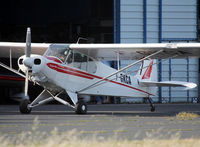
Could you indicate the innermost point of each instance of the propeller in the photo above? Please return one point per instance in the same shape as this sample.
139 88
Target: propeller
27 53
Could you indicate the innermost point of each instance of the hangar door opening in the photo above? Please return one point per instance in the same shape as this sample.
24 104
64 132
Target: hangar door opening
51 22
57 21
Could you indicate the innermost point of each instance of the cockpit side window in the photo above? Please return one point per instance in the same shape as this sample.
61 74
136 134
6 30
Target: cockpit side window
91 66
81 61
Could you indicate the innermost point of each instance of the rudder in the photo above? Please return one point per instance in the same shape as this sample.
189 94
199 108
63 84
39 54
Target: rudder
148 71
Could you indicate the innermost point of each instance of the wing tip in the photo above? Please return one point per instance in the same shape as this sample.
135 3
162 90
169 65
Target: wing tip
190 85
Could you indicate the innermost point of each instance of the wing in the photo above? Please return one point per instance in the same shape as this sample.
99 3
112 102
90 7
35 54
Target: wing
17 49
137 51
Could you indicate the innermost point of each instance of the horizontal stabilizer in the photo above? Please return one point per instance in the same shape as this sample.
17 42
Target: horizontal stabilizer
187 85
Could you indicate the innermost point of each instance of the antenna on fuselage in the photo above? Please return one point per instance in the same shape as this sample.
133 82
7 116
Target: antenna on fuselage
81 38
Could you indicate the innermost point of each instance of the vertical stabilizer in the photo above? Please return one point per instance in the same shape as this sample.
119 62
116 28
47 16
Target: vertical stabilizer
148 71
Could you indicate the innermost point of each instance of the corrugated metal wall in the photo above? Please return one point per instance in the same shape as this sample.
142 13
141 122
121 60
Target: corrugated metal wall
131 21
179 70
153 21
179 19
152 18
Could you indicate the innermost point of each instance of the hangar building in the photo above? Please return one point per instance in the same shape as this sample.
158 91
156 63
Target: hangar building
156 21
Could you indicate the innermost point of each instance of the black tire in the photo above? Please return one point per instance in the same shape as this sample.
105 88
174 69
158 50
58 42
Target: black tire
23 107
153 109
81 107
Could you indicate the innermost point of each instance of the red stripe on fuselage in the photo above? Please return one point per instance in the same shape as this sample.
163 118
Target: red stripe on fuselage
66 70
54 59
131 87
71 71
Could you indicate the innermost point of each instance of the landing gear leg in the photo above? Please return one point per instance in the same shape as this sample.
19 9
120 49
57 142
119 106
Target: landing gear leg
151 104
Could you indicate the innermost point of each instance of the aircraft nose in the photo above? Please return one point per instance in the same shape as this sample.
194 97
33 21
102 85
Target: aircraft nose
33 64
28 62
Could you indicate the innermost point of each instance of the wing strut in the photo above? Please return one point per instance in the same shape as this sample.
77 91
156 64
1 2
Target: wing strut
106 78
11 69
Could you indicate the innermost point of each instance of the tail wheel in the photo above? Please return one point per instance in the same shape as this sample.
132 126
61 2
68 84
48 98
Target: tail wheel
23 107
81 107
152 109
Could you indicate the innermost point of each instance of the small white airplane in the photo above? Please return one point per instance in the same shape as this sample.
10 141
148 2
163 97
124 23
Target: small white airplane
76 69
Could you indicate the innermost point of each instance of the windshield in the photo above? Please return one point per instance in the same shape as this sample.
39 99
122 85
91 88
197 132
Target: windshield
59 51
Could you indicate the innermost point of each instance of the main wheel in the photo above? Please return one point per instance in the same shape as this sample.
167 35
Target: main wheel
23 107
153 109
81 107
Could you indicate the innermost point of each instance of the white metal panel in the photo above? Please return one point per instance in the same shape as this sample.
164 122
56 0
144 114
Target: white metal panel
132 35
179 2
179 19
188 28
173 8
152 21
131 19
179 22
152 40
179 35
128 28
178 15
132 40
152 7
151 14
152 28
152 34
132 14
131 2
193 74
131 8
193 94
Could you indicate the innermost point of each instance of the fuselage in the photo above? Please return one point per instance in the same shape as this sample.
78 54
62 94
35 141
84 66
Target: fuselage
63 69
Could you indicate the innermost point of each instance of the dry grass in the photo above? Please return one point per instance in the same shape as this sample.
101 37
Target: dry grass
186 116
73 138
70 139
